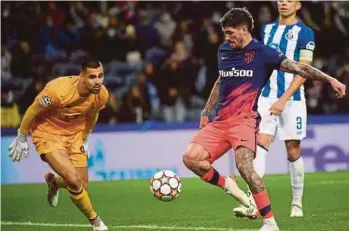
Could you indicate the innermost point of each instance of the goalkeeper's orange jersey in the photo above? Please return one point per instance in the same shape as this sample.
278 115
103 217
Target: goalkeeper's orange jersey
68 110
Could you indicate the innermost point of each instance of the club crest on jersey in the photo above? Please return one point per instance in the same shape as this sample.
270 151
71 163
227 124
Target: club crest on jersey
289 35
249 56
45 101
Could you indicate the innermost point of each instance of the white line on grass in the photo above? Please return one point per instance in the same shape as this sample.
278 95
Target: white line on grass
135 227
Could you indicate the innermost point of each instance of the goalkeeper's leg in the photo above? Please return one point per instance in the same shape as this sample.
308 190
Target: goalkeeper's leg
62 165
55 182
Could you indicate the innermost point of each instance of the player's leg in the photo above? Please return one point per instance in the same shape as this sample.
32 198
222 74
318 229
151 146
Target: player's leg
62 165
267 130
263 144
197 159
259 163
47 143
55 182
207 146
97 223
83 172
79 158
292 129
244 163
296 168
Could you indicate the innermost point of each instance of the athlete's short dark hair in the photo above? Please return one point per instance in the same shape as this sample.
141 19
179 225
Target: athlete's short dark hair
236 17
90 62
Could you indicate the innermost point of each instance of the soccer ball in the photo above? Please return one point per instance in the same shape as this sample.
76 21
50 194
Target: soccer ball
165 185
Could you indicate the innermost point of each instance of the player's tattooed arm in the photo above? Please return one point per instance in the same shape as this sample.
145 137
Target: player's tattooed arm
309 72
244 163
278 106
212 100
304 70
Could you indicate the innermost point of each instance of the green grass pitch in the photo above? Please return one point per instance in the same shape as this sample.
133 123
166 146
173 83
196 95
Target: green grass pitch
129 205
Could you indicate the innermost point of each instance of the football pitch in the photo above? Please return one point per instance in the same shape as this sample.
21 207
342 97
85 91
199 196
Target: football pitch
129 205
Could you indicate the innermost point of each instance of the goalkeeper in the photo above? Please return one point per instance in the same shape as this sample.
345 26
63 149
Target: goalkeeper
60 120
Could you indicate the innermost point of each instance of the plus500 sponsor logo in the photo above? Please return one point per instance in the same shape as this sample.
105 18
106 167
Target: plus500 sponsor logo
236 73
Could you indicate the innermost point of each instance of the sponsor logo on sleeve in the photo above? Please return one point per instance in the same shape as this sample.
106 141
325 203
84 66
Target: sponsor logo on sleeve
310 46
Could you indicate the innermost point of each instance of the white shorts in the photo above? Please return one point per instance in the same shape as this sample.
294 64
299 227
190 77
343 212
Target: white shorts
290 125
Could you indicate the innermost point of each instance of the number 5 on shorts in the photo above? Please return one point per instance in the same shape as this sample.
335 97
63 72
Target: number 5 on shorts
299 122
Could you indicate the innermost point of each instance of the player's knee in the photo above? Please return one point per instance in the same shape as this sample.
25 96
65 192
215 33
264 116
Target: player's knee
74 181
293 154
190 159
194 155
293 149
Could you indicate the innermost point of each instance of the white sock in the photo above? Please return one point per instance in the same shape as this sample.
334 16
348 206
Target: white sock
297 180
259 161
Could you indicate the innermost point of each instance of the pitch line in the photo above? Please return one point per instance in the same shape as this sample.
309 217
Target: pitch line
134 227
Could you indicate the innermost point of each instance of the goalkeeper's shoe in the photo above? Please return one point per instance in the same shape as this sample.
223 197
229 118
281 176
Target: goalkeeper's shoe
52 193
250 212
233 189
98 224
296 211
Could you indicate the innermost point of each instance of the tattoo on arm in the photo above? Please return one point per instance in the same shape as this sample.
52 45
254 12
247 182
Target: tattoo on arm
304 70
212 100
244 163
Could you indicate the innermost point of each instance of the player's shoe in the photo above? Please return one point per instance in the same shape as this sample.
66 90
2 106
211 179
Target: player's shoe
269 226
98 224
250 212
233 189
296 211
53 192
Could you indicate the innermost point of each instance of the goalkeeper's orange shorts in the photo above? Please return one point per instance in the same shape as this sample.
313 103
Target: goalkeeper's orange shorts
46 144
218 137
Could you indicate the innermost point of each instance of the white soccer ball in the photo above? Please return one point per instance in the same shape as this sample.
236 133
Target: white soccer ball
165 185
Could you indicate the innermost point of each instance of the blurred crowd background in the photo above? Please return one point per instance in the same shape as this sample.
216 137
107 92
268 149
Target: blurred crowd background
159 57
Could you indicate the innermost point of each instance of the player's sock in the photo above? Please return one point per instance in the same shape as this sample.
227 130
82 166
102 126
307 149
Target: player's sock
60 182
213 177
81 199
296 169
263 205
259 161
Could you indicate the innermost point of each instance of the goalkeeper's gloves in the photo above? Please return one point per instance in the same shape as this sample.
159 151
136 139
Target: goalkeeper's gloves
19 148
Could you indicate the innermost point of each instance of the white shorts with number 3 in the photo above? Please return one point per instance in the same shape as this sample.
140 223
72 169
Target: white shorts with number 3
290 125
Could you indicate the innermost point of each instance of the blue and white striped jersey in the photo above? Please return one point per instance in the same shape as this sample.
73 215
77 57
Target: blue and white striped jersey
296 42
